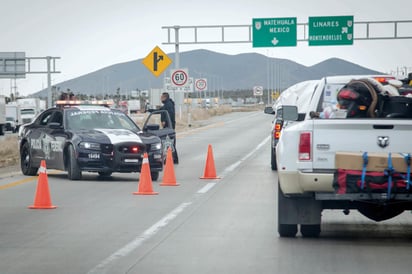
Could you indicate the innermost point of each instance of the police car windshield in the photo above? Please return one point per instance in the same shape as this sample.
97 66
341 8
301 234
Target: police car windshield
95 119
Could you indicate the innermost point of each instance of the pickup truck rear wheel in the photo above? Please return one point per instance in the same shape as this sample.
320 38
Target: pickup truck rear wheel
287 230
310 231
284 230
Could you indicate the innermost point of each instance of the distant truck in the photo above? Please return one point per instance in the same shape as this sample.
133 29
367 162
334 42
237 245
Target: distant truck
134 106
13 117
29 108
2 114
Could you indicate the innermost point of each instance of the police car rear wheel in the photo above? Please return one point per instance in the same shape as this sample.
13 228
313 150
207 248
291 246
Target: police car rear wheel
25 161
73 170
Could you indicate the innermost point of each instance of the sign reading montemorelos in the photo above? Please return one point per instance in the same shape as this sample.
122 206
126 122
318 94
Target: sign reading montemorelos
274 32
331 30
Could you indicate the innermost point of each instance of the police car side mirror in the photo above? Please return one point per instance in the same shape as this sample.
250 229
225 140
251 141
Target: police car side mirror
54 125
152 127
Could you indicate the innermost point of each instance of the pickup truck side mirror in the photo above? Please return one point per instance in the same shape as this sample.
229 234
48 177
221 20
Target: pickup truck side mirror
290 113
269 110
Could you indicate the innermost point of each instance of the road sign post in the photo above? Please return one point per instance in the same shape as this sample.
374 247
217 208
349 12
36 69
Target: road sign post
330 31
274 32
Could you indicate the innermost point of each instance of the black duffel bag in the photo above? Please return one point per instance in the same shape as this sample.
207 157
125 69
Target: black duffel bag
395 106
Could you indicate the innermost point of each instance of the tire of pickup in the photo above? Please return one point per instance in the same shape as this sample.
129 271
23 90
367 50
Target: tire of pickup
284 230
310 231
378 212
273 164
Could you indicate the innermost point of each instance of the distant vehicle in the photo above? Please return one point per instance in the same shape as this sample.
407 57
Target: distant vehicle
296 95
30 108
11 124
133 106
95 138
14 116
2 114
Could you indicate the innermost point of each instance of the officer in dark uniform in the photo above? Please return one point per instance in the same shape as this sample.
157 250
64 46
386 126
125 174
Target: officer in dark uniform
169 106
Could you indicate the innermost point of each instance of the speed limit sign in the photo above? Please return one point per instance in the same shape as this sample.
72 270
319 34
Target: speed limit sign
201 84
179 77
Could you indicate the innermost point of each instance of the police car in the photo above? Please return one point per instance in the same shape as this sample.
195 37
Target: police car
77 136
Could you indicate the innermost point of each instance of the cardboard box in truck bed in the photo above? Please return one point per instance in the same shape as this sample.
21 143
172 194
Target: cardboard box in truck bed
376 161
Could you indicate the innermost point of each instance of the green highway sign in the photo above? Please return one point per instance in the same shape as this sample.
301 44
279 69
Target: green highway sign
274 32
330 31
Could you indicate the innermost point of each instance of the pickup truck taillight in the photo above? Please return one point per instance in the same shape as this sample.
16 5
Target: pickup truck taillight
305 144
278 128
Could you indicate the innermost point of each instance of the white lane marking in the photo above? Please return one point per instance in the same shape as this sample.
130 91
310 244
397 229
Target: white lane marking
235 165
103 266
206 188
133 245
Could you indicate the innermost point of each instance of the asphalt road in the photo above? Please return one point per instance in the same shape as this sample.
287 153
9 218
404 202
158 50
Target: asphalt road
225 225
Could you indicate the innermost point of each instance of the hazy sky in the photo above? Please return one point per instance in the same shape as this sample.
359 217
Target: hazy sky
91 34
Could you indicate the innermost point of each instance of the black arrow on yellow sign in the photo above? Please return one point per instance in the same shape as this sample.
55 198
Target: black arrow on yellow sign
157 61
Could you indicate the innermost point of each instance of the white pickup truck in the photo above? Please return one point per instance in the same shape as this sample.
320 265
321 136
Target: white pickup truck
343 162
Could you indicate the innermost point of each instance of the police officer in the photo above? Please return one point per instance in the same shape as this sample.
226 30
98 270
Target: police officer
169 106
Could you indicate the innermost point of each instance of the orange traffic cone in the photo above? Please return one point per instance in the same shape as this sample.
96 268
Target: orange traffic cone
210 170
145 182
42 198
169 178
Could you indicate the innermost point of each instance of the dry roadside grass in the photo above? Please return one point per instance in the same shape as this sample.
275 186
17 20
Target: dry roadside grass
9 151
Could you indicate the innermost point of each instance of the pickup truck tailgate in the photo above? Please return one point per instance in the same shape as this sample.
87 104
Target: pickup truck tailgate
358 135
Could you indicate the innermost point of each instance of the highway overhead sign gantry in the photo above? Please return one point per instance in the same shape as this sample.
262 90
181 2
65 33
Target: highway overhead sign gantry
330 30
157 61
274 32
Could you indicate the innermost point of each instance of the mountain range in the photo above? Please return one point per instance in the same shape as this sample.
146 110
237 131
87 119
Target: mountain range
223 71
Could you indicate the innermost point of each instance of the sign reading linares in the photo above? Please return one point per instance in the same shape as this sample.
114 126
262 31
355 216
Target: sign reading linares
274 32
332 30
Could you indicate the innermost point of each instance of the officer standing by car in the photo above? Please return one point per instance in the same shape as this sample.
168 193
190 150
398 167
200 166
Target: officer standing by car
169 106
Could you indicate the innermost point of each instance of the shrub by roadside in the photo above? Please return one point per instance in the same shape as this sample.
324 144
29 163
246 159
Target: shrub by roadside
9 151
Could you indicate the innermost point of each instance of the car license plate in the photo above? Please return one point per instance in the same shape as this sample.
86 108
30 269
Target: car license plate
131 160
94 155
